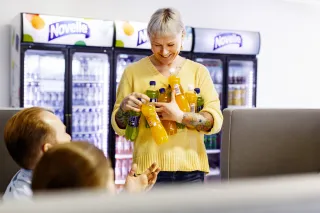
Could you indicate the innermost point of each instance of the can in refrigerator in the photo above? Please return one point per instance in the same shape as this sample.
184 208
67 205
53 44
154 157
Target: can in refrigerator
236 99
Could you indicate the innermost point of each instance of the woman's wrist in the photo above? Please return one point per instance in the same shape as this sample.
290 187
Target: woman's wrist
179 117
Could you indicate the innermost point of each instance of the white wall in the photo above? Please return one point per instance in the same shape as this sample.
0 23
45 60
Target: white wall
288 69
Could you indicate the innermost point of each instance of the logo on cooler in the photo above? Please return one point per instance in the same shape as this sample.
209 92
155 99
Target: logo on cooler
142 37
225 39
63 28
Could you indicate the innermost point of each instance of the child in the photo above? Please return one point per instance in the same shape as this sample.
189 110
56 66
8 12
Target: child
81 165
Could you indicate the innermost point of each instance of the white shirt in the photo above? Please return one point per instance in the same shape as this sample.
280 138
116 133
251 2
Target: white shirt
20 186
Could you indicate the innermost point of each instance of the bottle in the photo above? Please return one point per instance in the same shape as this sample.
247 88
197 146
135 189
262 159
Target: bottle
181 100
132 129
153 94
158 132
191 97
200 101
170 126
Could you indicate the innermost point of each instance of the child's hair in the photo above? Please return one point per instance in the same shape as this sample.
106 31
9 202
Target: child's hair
72 165
24 135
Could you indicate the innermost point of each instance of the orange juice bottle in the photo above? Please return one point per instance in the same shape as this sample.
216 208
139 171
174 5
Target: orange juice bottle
191 97
181 100
170 126
158 132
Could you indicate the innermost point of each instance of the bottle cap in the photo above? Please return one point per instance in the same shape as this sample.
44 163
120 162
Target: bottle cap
190 87
197 90
172 70
162 90
152 83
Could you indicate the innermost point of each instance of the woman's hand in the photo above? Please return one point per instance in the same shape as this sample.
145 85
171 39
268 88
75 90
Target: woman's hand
170 111
131 102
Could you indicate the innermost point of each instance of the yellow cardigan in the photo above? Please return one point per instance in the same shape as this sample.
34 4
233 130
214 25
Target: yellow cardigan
185 150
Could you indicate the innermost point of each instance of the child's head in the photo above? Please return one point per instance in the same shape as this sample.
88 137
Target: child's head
75 165
30 133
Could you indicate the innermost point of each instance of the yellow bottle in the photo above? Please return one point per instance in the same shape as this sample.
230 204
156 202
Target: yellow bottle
192 98
170 126
158 132
181 100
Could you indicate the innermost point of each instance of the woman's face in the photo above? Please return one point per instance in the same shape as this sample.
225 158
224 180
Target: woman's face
166 48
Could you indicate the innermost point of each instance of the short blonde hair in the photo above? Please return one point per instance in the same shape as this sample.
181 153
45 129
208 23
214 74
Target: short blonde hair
165 21
75 165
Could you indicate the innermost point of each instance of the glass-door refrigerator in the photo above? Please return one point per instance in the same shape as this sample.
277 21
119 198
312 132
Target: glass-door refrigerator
231 58
64 64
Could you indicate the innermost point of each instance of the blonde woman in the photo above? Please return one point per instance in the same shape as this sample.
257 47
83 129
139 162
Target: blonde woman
183 159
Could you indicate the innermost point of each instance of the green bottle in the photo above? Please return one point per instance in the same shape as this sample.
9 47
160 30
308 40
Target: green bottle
132 128
200 100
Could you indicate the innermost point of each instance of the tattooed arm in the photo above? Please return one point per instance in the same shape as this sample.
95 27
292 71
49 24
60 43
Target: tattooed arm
122 118
202 121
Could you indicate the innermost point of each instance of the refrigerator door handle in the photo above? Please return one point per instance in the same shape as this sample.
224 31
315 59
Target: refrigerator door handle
68 123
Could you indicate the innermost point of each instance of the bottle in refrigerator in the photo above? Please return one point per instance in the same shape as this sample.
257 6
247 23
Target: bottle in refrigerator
158 132
200 100
236 97
118 169
243 96
191 97
170 126
181 100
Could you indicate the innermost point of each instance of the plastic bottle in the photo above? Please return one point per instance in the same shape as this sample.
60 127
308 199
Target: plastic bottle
181 100
158 132
152 93
191 97
200 101
170 126
132 129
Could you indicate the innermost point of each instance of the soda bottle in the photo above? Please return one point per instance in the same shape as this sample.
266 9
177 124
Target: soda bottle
170 126
153 94
191 97
132 128
158 132
181 100
200 101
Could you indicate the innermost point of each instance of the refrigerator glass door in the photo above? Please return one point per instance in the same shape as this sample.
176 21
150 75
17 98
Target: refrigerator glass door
124 148
123 60
44 82
241 84
90 98
215 67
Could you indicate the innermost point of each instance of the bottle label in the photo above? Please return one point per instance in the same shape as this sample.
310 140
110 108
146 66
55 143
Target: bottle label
134 121
151 123
153 100
192 107
199 108
177 89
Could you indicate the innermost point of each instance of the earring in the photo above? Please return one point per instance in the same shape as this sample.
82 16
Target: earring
181 48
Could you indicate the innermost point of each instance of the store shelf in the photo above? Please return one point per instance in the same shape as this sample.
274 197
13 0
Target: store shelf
213 151
123 156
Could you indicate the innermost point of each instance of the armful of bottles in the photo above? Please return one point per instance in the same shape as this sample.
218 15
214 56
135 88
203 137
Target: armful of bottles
191 101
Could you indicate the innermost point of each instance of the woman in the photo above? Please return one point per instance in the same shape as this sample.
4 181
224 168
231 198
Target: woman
81 165
183 158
